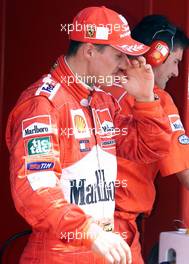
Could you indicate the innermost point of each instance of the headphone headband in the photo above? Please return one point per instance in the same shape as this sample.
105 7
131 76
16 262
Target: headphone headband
167 28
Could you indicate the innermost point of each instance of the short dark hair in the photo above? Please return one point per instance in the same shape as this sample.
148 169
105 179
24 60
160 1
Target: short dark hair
158 27
75 45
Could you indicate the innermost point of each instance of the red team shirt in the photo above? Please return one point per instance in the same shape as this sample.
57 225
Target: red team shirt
137 196
63 161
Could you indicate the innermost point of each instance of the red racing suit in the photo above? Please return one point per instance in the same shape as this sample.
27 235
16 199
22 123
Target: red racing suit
61 136
139 194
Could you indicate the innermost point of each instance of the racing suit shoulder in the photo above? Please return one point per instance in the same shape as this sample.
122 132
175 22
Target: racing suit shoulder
45 87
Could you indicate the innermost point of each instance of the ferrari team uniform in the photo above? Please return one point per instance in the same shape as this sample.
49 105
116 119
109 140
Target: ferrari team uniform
62 138
138 194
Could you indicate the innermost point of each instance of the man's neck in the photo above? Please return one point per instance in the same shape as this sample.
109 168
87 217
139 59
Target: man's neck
78 69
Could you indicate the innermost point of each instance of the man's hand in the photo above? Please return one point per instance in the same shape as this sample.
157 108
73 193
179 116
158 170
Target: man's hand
140 80
110 246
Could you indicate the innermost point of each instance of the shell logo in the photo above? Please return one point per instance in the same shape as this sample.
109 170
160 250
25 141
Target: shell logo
80 123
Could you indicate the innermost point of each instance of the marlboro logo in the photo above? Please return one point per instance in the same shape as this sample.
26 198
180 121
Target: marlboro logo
37 125
101 191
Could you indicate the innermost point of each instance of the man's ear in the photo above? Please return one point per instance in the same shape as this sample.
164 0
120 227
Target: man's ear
89 50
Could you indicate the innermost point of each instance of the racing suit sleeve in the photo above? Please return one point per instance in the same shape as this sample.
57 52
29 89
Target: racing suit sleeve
35 170
178 158
145 135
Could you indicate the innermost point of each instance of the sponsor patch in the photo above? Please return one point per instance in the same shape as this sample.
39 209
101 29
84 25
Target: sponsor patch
102 33
42 179
84 145
104 123
80 127
40 165
108 143
175 122
90 31
101 190
183 139
39 145
37 125
49 87
163 49
107 126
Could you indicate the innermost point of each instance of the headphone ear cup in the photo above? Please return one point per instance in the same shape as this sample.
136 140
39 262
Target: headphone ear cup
158 53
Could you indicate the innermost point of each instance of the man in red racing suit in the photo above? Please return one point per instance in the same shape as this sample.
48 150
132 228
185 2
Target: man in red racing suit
62 138
137 194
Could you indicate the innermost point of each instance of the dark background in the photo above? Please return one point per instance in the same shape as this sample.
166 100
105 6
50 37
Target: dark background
30 41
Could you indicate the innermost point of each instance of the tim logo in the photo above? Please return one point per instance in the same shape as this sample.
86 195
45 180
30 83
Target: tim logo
38 165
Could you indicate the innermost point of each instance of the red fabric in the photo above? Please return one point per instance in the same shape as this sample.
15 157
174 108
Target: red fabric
57 252
127 228
139 194
36 136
